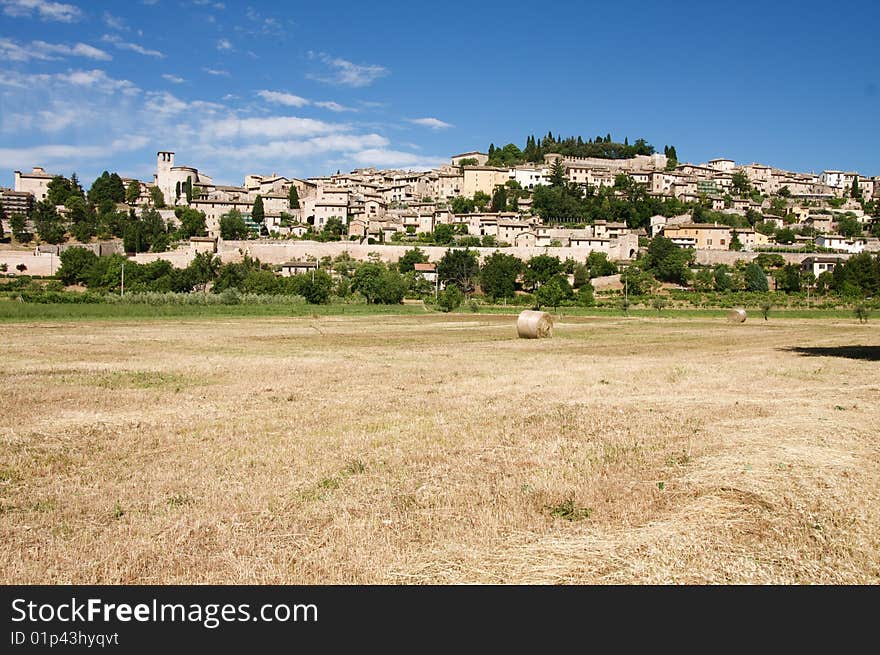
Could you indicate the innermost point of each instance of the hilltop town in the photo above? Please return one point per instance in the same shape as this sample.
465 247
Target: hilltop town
528 202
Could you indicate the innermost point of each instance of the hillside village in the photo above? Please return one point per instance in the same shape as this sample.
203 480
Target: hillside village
563 205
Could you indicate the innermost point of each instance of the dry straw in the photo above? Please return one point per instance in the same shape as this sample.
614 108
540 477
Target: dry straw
737 315
534 325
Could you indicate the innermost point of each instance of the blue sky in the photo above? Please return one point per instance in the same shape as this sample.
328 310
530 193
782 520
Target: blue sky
305 89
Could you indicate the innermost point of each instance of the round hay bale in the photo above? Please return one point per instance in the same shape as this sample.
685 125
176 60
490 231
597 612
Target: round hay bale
534 325
737 315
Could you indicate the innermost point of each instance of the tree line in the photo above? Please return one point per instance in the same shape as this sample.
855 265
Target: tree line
602 147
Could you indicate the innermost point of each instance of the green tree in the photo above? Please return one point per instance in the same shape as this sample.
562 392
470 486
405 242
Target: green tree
636 280
599 265
788 279
50 228
848 226
75 265
157 197
410 258
133 192
481 200
585 296
333 229
553 292
857 276
755 278
770 260
83 223
462 205
557 174
293 197
18 226
499 199
667 262
444 234
459 267
258 214
785 235
540 269
581 276
204 267
379 285
107 187
735 243
740 183
723 281
498 275
232 226
450 298
314 287
58 190
192 222
855 192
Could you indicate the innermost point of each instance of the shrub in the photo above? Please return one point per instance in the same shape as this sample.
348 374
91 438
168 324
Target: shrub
450 298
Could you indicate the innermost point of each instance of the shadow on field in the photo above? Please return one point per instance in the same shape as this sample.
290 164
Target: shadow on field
869 353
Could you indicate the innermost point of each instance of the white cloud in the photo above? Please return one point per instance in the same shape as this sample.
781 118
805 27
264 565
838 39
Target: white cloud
272 127
54 11
287 150
114 22
287 99
174 79
347 73
94 80
133 47
224 44
98 80
164 103
47 154
42 51
433 123
58 118
216 72
397 159
333 106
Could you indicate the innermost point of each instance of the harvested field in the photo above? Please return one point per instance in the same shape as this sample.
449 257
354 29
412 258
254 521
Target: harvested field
439 449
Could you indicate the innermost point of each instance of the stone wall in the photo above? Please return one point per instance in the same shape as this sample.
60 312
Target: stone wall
730 257
274 252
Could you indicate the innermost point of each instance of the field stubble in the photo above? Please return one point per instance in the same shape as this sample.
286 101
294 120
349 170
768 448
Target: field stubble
429 449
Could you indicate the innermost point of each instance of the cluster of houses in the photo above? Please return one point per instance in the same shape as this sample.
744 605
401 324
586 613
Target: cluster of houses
374 204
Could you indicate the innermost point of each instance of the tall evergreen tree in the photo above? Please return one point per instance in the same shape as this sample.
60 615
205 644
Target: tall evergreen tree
855 191
557 173
75 186
293 197
258 214
133 192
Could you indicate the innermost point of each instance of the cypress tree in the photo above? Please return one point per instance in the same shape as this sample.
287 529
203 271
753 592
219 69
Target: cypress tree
258 215
293 198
